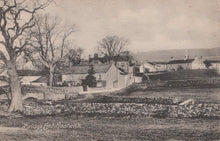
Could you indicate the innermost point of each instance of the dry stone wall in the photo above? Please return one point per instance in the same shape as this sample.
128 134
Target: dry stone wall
126 109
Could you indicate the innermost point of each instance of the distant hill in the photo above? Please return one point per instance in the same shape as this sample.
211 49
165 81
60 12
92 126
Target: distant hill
164 55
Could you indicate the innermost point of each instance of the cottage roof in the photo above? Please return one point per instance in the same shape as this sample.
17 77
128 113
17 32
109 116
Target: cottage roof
42 79
103 68
29 73
45 79
161 63
212 61
122 72
151 63
182 61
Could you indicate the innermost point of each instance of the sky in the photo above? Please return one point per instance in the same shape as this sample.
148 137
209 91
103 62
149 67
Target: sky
147 24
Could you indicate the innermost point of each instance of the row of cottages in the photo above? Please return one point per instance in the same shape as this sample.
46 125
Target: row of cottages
176 65
107 75
187 63
173 65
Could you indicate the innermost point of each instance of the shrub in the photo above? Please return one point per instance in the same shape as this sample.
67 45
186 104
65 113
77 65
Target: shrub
90 79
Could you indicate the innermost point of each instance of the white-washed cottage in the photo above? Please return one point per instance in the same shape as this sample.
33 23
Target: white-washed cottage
198 63
107 75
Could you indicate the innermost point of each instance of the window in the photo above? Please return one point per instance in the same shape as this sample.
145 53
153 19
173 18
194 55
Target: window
122 64
115 84
100 77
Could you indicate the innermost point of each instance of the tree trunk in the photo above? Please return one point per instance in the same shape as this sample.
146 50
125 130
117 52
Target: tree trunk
51 76
15 86
70 64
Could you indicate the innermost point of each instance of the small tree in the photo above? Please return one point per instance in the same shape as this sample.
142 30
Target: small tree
90 79
74 56
207 64
180 68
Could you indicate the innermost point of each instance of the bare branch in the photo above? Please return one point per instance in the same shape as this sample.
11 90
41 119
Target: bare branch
2 57
50 39
112 45
65 36
3 43
4 78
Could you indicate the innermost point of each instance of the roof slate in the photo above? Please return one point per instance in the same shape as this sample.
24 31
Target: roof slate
180 61
212 61
29 73
42 79
103 68
45 79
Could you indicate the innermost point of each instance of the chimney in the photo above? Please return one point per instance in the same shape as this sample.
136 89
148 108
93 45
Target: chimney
201 59
96 56
171 58
196 57
89 58
186 57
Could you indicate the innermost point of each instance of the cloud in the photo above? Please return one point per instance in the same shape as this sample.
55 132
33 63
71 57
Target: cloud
148 24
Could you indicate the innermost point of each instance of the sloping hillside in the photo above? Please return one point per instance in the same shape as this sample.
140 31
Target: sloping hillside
164 55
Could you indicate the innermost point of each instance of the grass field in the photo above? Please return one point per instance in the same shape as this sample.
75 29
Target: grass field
187 74
204 95
104 129
84 128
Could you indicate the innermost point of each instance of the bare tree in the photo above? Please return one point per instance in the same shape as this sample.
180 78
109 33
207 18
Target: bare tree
112 45
74 56
15 18
49 40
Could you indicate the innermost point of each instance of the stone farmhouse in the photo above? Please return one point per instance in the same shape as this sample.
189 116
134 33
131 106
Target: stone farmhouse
196 63
122 61
173 65
107 75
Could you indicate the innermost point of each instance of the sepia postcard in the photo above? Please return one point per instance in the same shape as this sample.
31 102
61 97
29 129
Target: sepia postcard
110 70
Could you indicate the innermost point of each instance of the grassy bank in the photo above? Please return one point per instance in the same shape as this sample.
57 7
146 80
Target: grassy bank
186 74
201 95
106 129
